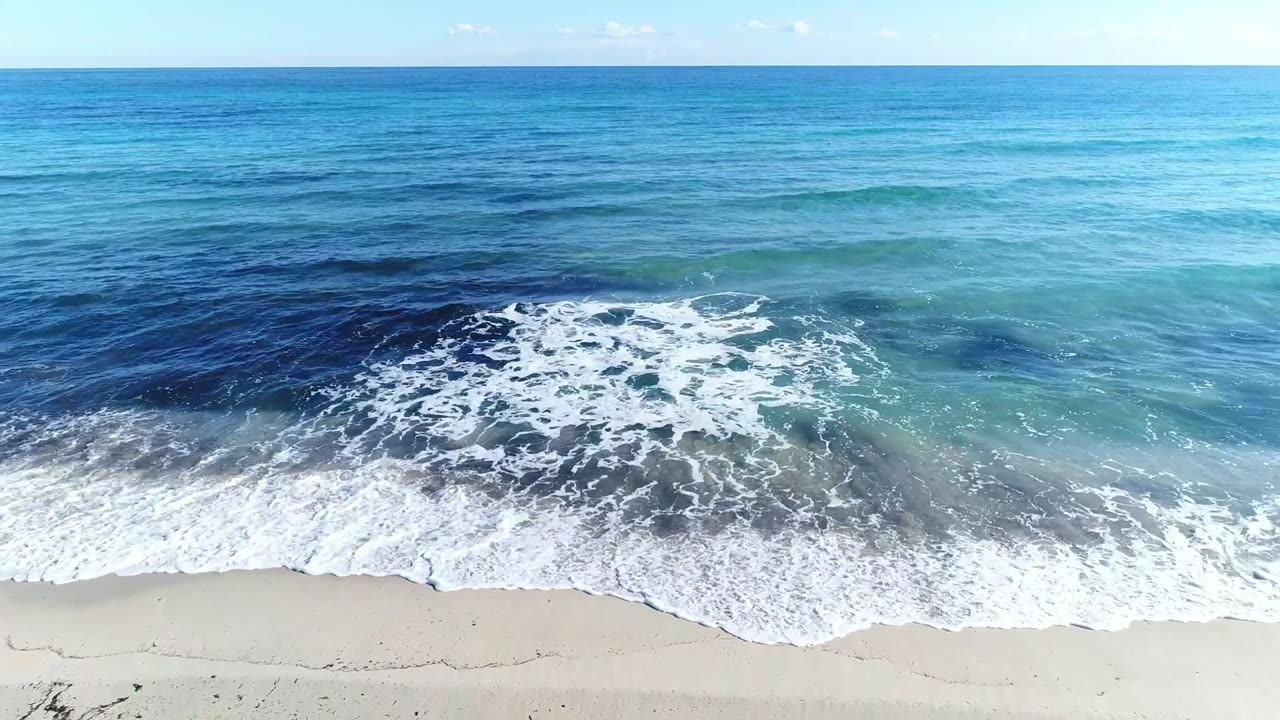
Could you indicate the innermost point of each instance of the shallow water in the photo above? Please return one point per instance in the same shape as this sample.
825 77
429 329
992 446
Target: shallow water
787 351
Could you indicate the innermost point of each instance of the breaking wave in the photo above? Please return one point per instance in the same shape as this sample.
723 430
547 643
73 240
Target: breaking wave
713 457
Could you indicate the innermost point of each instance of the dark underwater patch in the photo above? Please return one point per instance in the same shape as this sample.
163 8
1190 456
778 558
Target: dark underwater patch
995 346
373 266
861 304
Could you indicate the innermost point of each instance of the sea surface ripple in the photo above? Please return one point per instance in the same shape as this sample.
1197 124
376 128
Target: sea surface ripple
788 351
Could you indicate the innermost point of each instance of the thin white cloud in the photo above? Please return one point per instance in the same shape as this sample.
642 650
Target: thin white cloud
615 29
889 35
1125 32
799 27
469 29
568 31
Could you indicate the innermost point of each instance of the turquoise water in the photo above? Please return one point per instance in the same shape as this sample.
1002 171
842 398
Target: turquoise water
788 351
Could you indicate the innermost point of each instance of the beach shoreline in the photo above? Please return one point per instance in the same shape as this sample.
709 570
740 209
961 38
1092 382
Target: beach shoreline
274 643
806 354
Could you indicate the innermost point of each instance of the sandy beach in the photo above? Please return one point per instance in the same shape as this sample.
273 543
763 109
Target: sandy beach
276 644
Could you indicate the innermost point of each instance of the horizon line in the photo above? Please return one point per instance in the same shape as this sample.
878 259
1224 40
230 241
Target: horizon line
618 67
896 65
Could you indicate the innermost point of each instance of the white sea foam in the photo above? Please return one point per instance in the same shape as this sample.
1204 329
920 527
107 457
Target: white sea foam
793 586
397 478
615 368
573 386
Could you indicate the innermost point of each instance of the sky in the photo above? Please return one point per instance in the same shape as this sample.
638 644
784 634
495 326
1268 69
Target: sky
195 33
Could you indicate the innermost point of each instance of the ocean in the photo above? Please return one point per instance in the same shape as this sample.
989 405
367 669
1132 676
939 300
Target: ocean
787 351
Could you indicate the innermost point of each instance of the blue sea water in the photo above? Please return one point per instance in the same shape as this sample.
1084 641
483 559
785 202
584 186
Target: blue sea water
789 351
